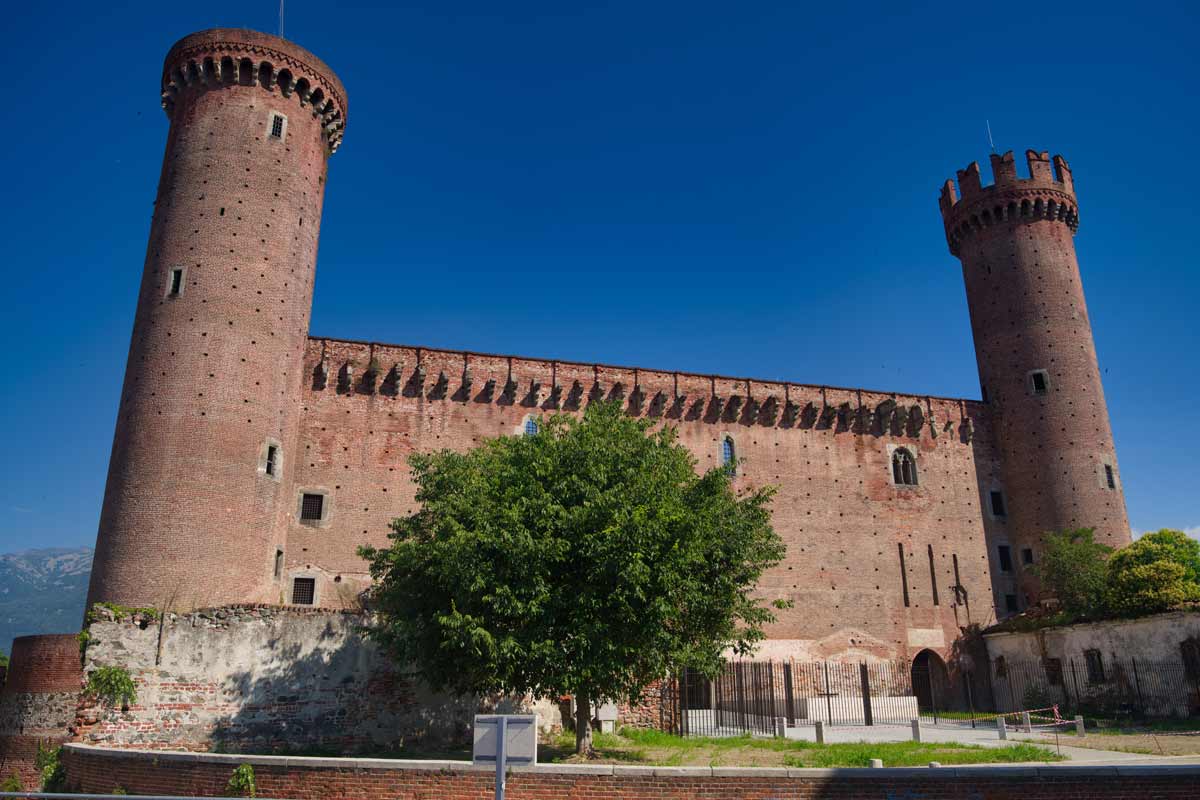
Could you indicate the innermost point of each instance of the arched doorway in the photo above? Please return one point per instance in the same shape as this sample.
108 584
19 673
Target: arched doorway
930 681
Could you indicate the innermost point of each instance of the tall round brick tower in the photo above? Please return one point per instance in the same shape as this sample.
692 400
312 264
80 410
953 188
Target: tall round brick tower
1037 360
199 489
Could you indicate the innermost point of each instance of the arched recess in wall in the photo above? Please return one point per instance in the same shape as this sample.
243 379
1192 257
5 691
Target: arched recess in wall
930 681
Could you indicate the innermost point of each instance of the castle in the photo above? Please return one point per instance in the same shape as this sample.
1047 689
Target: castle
251 459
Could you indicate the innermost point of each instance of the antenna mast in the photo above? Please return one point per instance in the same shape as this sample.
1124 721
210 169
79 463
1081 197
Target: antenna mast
988 123
280 19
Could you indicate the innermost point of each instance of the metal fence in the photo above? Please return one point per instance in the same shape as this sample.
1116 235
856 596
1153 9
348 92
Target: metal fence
1097 685
751 697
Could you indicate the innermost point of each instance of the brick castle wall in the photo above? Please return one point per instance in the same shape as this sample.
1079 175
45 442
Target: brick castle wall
829 452
94 770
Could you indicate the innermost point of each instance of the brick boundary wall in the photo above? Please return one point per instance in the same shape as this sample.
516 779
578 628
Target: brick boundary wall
93 769
38 702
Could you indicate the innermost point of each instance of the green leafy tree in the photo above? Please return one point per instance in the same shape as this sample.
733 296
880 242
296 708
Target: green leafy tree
1074 568
589 559
1159 571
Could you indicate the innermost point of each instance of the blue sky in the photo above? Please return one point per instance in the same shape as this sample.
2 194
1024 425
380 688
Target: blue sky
747 189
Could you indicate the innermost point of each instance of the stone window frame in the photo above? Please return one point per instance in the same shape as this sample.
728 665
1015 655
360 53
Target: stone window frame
304 574
996 488
1030 386
1106 463
182 270
271 115
263 450
277 564
523 428
734 449
1015 605
326 506
1000 561
891 472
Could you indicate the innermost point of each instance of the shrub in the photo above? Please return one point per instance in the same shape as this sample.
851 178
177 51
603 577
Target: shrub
1074 567
241 783
112 685
54 774
12 784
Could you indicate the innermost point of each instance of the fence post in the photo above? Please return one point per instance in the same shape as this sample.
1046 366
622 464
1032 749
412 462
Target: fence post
1137 682
683 713
1002 727
819 730
787 690
1079 726
771 689
780 727
1026 723
865 679
828 695
916 730
1075 680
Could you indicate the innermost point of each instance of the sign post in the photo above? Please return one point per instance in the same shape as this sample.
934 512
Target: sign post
505 739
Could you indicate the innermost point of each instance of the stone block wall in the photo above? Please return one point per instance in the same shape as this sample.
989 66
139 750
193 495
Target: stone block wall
266 679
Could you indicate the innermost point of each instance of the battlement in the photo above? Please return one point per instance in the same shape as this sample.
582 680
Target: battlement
223 57
353 368
1048 193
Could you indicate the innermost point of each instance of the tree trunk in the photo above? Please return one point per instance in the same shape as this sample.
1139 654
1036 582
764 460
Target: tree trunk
583 725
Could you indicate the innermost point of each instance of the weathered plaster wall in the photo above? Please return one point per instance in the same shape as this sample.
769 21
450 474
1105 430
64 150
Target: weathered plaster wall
265 679
1150 639
1141 664
828 450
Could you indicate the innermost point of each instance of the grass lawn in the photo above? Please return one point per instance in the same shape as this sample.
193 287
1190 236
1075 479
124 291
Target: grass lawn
650 747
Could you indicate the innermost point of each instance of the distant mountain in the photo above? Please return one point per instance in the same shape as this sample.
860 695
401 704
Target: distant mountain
42 591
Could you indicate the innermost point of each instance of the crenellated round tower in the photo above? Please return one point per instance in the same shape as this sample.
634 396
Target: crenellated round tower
199 485
1037 361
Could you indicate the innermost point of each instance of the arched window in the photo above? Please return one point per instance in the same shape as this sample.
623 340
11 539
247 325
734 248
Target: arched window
904 468
531 426
728 454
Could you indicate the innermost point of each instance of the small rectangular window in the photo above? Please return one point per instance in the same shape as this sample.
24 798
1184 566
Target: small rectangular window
312 506
1109 477
304 591
272 454
176 282
276 126
278 563
1010 603
1039 382
1005 554
1095 666
1026 556
998 504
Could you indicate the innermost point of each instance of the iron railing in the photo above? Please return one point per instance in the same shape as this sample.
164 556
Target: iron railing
751 697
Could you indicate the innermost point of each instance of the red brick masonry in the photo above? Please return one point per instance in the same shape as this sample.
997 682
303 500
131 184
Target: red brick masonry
143 772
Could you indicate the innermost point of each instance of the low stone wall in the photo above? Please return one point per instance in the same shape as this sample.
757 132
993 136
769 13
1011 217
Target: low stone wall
266 679
97 770
38 701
